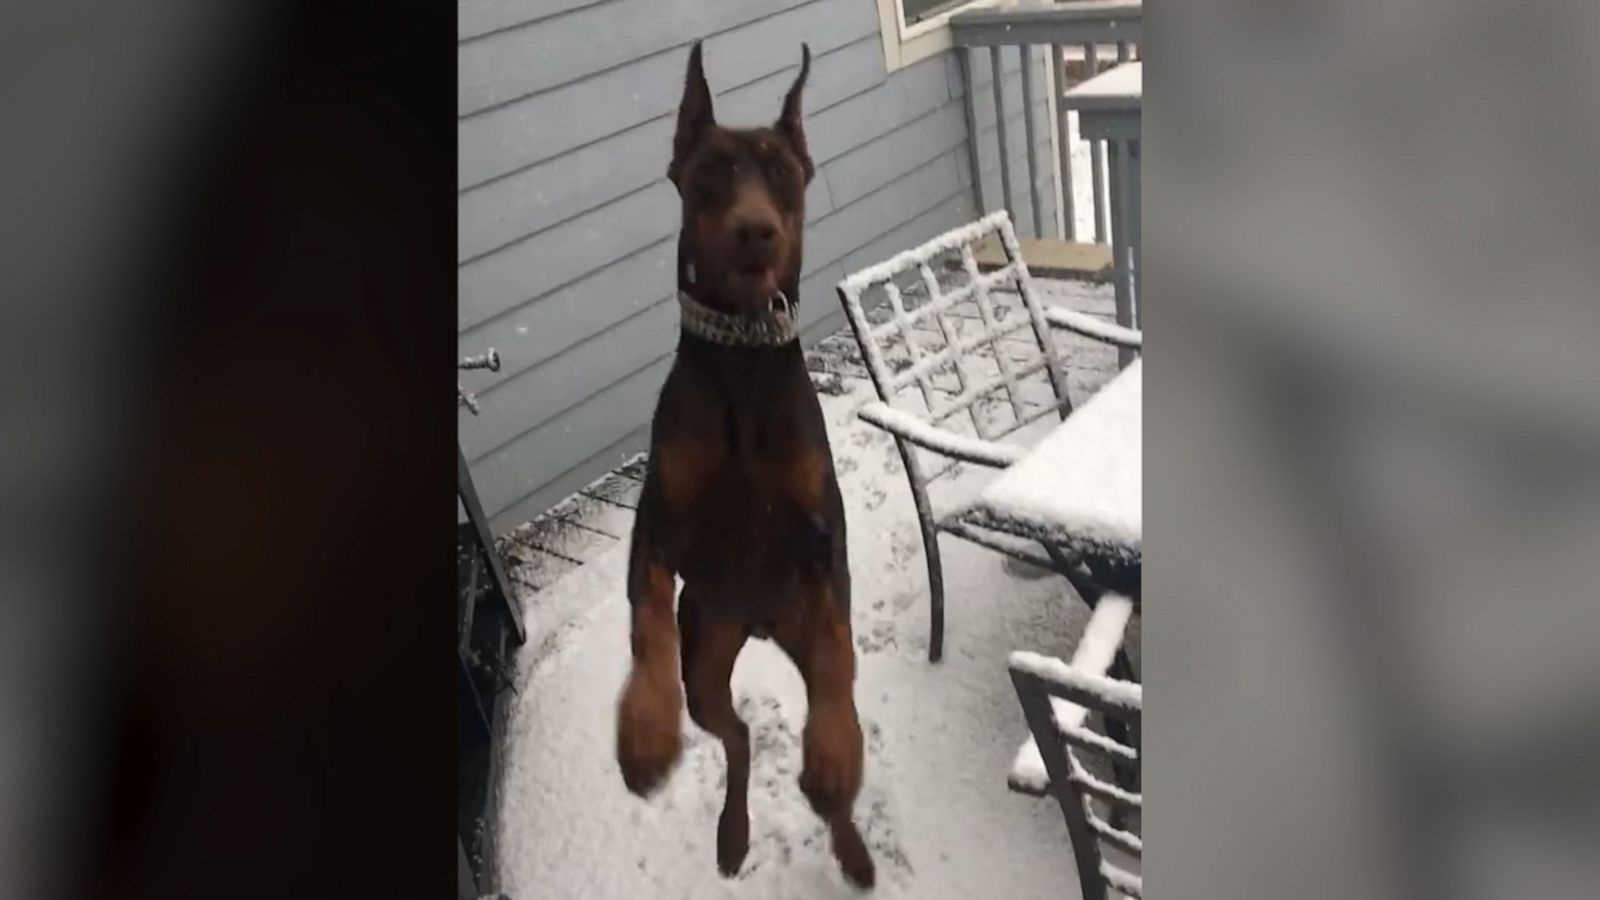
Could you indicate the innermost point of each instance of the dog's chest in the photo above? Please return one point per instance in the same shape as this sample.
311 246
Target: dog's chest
749 533
749 505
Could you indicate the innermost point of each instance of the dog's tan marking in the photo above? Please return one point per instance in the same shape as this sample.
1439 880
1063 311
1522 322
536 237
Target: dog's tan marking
684 466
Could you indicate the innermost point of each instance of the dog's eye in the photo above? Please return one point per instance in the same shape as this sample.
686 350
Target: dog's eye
721 172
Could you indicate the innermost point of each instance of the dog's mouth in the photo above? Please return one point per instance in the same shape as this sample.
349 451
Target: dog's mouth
758 281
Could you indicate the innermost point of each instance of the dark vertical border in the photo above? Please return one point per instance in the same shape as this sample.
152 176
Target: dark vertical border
281 703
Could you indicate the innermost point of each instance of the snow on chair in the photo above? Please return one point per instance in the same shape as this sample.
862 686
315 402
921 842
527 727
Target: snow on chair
924 349
1057 700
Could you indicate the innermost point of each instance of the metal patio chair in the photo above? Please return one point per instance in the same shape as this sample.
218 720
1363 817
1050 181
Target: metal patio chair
1058 699
923 349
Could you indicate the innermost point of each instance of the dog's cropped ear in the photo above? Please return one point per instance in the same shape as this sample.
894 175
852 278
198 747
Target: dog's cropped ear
789 124
694 114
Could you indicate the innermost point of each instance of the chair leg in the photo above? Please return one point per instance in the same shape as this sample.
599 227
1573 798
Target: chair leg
930 549
930 546
1127 774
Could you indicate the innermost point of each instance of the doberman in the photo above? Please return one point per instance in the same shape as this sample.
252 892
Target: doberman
740 499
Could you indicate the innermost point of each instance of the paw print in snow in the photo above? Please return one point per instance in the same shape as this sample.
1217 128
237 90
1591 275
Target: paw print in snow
903 548
873 734
880 637
881 833
875 497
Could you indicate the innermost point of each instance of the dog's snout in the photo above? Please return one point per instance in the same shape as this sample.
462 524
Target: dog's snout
755 231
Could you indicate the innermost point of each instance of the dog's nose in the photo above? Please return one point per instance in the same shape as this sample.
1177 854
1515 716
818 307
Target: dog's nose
757 232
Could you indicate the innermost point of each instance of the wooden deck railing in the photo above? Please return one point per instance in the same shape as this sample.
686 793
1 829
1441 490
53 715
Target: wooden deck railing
1083 37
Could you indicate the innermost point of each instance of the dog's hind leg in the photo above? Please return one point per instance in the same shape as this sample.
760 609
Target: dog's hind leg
819 642
710 647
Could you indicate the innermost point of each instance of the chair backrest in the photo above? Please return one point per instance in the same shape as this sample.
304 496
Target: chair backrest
969 342
1085 766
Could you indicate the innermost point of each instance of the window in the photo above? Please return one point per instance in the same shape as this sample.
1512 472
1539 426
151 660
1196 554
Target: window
914 30
921 10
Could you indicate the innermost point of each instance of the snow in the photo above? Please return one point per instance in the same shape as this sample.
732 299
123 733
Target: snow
976 290
998 280
1110 332
981 388
1127 840
941 440
1082 776
1094 653
960 348
1119 87
934 808
1082 486
1125 694
1103 636
1122 880
970 233
1028 773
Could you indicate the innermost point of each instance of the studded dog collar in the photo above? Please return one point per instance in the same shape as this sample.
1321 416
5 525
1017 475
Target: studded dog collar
772 327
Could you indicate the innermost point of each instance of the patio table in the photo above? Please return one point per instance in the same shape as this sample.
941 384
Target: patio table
1080 489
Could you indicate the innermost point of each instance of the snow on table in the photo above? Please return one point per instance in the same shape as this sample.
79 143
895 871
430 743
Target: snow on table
1081 487
934 808
1118 88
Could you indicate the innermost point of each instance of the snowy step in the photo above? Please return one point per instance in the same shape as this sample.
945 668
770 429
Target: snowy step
1050 258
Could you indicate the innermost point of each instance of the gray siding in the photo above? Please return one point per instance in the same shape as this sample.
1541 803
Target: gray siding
567 225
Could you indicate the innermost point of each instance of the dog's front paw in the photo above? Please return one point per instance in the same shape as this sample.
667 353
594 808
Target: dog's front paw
831 776
648 737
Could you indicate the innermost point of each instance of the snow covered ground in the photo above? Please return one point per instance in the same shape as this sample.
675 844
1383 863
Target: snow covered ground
934 808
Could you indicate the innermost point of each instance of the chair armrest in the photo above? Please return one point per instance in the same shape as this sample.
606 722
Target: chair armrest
1091 327
904 425
1078 687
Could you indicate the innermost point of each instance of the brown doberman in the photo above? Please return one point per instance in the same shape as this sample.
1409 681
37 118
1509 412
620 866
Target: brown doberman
740 498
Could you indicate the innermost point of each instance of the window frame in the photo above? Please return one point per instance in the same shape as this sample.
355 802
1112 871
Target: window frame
905 44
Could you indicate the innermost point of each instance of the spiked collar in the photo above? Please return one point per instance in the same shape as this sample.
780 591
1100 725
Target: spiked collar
771 327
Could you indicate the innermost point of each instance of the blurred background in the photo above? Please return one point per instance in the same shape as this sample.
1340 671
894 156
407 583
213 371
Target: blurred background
226 231
1372 469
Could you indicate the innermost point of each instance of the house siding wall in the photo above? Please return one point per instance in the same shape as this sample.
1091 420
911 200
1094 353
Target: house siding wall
567 224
